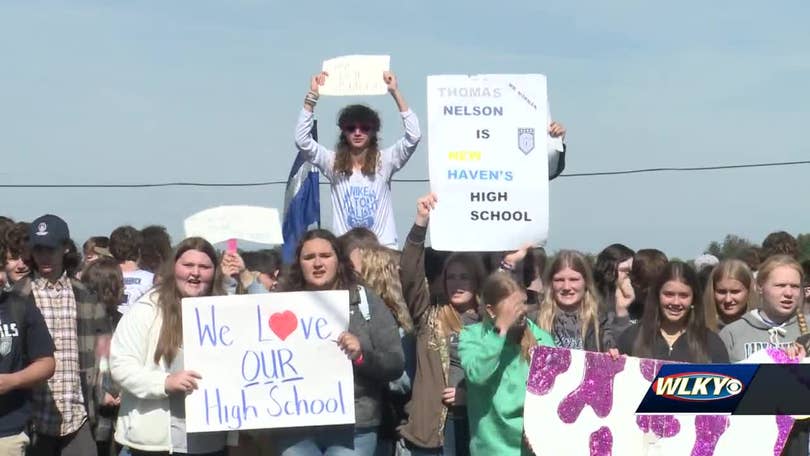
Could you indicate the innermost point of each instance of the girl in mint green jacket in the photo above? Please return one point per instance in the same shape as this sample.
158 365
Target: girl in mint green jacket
495 356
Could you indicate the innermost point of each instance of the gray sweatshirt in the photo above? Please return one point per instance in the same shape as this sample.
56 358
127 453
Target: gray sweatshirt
751 334
383 359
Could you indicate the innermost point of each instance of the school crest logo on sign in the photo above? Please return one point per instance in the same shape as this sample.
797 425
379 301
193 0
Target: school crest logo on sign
526 140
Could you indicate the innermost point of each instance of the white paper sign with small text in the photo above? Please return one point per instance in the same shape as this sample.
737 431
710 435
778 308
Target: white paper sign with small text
488 160
248 223
267 361
353 75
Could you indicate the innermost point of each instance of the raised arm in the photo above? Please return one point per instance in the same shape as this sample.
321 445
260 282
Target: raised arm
480 345
415 289
310 149
401 152
556 148
480 352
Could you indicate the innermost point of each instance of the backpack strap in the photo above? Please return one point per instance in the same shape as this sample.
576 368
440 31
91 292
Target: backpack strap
365 310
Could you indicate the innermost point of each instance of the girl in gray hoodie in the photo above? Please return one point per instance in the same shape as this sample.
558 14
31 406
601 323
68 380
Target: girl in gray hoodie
779 319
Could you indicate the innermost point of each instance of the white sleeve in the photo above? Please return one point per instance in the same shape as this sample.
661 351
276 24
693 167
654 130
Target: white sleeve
128 355
318 155
399 154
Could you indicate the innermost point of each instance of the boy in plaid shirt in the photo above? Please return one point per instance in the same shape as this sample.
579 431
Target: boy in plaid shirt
64 410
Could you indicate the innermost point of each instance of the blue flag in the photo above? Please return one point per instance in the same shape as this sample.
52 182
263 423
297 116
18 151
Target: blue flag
302 202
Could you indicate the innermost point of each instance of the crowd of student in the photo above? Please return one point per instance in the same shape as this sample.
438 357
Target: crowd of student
440 342
91 350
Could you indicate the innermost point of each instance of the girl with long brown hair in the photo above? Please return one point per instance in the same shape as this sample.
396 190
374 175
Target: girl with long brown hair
371 342
147 359
437 416
673 324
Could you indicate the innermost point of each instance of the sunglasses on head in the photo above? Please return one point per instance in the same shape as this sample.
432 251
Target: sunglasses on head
352 128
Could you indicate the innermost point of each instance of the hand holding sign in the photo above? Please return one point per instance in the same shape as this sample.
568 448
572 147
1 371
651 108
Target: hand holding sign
232 264
511 260
350 345
182 382
317 81
424 205
390 81
556 130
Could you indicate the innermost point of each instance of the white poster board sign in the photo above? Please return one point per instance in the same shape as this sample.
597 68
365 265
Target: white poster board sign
248 223
591 400
488 160
267 361
353 75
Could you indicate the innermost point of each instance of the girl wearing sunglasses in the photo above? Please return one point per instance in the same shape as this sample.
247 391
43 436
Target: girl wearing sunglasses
358 170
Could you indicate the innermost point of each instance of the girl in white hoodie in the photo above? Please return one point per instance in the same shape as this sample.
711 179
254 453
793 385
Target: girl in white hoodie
146 360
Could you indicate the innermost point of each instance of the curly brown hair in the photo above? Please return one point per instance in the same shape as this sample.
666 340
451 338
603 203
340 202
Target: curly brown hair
14 241
357 114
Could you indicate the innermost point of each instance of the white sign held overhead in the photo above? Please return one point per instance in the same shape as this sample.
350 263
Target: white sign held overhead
248 223
488 161
353 75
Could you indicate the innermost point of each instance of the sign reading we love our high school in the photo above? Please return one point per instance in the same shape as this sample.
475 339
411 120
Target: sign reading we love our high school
267 361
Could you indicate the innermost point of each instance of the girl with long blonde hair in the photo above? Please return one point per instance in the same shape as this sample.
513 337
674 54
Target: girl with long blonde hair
570 310
380 271
730 293
779 320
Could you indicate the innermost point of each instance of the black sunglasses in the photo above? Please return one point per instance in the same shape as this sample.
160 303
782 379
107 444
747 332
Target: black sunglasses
352 128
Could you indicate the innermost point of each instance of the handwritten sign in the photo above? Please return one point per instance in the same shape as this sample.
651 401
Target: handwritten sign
591 400
356 75
267 361
488 160
248 223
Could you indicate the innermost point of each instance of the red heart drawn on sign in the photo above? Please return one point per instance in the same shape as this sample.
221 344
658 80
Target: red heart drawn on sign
283 323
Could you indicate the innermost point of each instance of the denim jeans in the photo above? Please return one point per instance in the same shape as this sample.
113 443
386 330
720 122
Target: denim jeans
328 441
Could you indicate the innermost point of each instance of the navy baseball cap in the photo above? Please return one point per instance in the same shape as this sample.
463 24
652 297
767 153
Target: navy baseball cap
48 231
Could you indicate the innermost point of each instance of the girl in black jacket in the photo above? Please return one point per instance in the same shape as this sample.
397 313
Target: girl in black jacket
673 326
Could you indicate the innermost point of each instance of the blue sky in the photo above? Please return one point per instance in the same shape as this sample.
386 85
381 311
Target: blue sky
132 92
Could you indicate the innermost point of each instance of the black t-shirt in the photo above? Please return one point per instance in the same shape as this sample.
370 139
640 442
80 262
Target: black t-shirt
24 337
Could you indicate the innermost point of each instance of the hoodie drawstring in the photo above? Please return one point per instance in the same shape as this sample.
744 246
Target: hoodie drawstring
775 333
